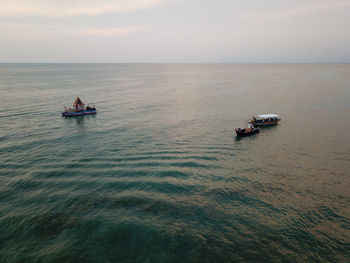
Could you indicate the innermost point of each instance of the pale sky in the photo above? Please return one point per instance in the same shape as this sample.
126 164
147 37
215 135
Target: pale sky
237 31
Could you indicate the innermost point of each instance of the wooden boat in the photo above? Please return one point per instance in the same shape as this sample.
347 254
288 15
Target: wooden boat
78 113
265 119
247 131
79 109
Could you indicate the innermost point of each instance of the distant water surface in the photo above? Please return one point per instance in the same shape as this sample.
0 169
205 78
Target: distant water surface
158 175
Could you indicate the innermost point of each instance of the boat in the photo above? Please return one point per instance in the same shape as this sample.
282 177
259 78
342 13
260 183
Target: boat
79 109
78 113
247 131
265 119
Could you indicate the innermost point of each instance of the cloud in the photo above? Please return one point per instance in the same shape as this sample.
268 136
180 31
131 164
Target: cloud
107 32
49 31
61 8
301 10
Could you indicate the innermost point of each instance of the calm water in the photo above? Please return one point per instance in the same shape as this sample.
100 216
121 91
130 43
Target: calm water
158 175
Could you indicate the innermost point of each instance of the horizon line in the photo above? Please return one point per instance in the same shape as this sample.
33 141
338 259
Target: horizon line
175 62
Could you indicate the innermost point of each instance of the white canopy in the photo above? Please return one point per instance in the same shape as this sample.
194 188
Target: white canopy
266 116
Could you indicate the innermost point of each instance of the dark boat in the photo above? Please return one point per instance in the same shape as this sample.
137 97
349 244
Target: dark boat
247 131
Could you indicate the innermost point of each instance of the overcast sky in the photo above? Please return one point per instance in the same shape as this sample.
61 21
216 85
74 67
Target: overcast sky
175 31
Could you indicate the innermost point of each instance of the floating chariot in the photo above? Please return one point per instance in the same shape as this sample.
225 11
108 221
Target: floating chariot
79 109
247 131
265 119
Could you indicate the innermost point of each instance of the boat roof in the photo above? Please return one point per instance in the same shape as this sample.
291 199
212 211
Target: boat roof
265 116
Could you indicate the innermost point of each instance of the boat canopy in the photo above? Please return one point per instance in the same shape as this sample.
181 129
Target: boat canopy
267 116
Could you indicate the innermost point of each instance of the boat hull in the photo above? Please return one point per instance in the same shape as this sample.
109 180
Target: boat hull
78 113
243 134
264 123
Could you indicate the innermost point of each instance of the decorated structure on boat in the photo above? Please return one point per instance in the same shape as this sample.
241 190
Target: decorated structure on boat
79 109
265 119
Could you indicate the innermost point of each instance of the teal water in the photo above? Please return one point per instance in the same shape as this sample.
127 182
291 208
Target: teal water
158 175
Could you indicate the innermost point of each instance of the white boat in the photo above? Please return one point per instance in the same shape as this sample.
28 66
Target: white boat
265 119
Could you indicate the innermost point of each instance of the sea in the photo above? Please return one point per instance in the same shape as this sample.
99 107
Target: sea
158 174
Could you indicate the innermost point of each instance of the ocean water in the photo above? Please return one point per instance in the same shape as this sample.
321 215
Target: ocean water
158 175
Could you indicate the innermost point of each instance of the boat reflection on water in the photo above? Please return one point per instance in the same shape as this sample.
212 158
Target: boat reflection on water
80 120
